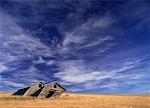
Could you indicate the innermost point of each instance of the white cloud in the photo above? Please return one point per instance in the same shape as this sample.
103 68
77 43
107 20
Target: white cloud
73 37
39 61
3 68
100 22
50 62
74 71
12 84
24 46
80 35
25 76
86 35
29 73
99 41
17 46
14 41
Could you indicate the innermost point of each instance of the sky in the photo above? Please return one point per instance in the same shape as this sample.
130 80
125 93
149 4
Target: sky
88 46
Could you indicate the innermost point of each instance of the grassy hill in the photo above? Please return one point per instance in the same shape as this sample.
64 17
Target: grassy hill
76 101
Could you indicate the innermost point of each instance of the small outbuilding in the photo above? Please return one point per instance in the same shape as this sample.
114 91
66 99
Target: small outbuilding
41 90
52 90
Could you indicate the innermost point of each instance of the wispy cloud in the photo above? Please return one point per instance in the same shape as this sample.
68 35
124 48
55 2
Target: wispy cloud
17 45
87 35
98 41
84 32
76 72
13 84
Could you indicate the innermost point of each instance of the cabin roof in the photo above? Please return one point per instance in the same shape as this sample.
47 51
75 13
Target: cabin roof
55 82
37 83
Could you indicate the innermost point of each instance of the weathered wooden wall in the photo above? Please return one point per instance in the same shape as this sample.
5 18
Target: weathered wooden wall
33 89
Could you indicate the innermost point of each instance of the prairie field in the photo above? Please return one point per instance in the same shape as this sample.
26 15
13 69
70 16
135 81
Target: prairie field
76 101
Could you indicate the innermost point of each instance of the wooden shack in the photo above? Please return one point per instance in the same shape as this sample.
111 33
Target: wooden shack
51 90
41 90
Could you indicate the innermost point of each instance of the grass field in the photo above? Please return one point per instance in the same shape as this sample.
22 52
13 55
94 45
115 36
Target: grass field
76 101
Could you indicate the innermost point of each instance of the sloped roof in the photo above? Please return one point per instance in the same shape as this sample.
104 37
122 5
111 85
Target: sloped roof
38 83
55 82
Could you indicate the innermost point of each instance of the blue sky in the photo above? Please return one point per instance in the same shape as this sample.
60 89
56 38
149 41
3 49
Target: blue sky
90 46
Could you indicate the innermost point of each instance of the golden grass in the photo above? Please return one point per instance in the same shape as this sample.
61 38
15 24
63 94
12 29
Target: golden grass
76 101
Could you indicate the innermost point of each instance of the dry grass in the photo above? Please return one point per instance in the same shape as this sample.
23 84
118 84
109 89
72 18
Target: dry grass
76 101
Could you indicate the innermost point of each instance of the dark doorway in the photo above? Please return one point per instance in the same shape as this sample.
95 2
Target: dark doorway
21 91
50 94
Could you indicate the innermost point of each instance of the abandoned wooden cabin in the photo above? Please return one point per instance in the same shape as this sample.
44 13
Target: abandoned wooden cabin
41 90
51 90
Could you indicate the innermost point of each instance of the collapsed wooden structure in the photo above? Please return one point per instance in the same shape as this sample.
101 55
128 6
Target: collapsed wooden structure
41 90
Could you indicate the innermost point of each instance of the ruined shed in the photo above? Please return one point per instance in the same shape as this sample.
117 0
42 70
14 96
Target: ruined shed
52 90
41 90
